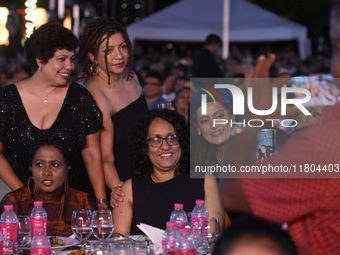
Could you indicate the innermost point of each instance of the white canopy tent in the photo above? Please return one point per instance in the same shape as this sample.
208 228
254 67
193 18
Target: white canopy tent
193 20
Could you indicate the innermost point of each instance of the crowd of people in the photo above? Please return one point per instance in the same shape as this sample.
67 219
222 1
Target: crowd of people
96 128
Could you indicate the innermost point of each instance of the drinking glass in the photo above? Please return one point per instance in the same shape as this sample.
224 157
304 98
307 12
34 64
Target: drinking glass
213 231
140 247
102 224
81 221
24 232
163 106
122 247
100 249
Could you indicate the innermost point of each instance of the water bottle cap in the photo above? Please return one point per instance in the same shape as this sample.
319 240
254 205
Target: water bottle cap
183 230
38 203
179 206
199 202
171 224
8 207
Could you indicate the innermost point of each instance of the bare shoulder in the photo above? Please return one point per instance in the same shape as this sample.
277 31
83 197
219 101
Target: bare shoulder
131 78
24 85
127 189
98 94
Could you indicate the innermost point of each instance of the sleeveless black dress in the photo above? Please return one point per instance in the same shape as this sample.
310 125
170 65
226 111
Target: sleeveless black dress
153 202
123 121
78 117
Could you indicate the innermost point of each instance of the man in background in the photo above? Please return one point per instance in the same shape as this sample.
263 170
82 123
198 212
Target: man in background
205 64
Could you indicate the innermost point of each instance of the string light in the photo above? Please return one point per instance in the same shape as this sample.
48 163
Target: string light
31 6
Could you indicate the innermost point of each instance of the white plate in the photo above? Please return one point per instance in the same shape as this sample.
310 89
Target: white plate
68 243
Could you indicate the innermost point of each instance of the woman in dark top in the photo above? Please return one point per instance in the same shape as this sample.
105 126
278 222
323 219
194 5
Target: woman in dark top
48 104
160 149
115 87
50 164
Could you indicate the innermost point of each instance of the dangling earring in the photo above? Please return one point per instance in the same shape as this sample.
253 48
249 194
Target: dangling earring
66 186
95 69
199 133
40 68
29 184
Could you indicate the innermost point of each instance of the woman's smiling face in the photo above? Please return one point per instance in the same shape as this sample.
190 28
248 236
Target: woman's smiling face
205 123
166 157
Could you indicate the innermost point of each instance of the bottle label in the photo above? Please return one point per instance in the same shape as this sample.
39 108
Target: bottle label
200 223
168 246
185 252
164 246
38 225
41 251
10 230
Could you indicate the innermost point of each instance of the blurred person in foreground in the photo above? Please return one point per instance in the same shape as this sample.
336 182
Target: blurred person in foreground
49 104
160 149
254 236
115 87
310 206
50 164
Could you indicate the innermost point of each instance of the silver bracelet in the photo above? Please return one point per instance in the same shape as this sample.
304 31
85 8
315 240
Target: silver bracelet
102 201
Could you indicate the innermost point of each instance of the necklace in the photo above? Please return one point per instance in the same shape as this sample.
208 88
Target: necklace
42 93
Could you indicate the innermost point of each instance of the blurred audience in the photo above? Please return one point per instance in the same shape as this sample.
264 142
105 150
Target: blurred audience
182 101
152 90
168 92
204 63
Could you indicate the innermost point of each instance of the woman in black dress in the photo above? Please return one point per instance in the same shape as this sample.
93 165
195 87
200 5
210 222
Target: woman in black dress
48 104
115 87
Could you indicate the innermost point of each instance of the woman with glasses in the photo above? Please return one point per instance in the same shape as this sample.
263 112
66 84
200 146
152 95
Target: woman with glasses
160 150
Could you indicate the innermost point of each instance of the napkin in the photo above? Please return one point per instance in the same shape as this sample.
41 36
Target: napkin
155 234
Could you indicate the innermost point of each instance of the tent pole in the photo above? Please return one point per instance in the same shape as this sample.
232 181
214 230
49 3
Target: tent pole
225 32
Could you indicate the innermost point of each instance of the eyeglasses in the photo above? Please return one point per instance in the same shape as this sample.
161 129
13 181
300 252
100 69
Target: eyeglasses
157 142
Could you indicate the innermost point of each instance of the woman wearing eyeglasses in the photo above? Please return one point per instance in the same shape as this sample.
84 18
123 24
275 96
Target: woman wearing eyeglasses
160 150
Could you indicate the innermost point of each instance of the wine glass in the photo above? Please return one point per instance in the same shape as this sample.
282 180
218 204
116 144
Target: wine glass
102 224
213 231
81 221
24 234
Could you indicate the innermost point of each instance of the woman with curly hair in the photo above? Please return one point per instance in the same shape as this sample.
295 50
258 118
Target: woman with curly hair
160 149
49 104
115 87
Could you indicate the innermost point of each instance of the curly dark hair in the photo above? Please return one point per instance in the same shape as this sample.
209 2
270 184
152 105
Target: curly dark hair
46 40
139 146
52 141
94 34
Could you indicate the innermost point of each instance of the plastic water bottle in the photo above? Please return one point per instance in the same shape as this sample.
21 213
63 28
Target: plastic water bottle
1 243
184 243
9 229
169 238
38 219
199 220
178 215
40 245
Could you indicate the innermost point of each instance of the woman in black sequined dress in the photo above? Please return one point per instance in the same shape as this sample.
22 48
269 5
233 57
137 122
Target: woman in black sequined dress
48 104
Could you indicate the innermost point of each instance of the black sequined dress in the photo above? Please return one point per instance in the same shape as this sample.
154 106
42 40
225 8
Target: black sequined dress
78 117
